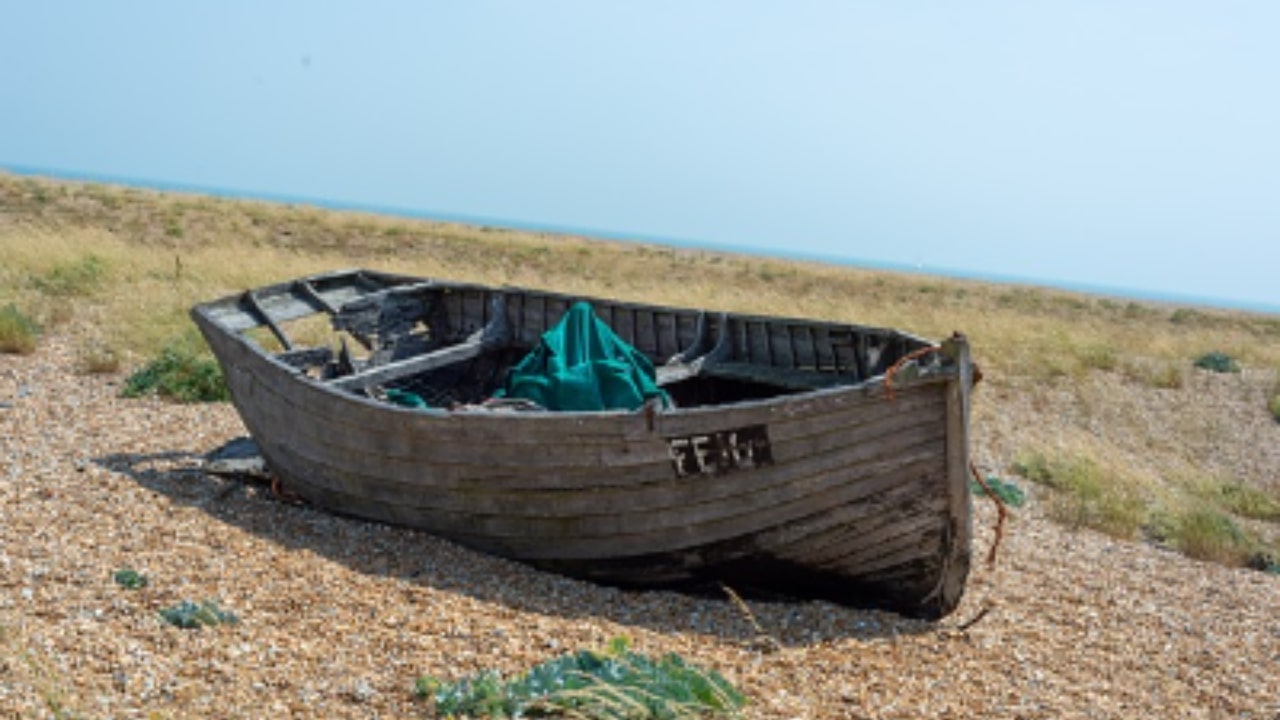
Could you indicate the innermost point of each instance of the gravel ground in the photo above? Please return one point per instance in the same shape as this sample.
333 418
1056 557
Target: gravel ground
338 617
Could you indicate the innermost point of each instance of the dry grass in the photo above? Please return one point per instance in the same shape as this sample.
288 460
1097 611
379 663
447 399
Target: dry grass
146 256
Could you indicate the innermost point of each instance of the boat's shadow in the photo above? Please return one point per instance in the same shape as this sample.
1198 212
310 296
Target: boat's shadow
416 557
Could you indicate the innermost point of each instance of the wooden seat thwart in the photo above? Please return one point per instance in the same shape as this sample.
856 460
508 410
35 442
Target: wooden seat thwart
495 334
369 377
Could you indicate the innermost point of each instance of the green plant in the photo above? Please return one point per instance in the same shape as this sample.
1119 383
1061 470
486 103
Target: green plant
1033 466
191 616
181 374
1088 496
1218 362
616 683
1008 493
77 278
129 579
1233 497
1208 534
18 333
1248 501
1274 407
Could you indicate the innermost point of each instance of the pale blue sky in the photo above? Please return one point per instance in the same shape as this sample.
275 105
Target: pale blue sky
1130 145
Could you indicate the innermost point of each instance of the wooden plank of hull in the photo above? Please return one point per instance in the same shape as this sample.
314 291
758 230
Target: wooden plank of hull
396 432
434 448
580 493
703 558
906 582
823 542
809 488
745 565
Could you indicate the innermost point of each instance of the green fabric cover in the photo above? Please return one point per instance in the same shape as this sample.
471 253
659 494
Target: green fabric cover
406 398
580 364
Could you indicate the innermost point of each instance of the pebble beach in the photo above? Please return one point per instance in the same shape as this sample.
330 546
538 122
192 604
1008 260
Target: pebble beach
338 617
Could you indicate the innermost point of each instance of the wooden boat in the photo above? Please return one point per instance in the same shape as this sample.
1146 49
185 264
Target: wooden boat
798 457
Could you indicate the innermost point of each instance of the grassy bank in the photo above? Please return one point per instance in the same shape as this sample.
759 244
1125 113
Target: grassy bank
1096 401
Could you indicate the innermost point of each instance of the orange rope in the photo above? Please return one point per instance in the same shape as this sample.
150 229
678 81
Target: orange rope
1000 506
888 374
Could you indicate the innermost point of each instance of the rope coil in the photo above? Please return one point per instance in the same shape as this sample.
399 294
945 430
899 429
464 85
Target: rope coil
901 362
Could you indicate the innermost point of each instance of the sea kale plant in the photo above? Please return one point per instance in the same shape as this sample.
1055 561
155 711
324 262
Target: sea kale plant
1218 362
193 616
615 683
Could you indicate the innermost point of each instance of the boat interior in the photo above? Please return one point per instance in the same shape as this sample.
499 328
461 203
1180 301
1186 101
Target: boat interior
451 344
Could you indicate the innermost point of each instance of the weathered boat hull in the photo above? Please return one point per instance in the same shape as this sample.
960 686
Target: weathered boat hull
840 492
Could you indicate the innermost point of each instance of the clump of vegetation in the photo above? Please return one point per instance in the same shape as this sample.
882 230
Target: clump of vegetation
1218 362
1274 407
75 278
18 332
1087 496
1160 374
1099 356
1007 492
616 683
180 374
130 579
1233 497
1248 501
193 616
99 360
1208 534
1206 522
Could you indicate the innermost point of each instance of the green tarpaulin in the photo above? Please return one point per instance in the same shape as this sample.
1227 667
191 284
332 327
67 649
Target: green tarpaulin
580 364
